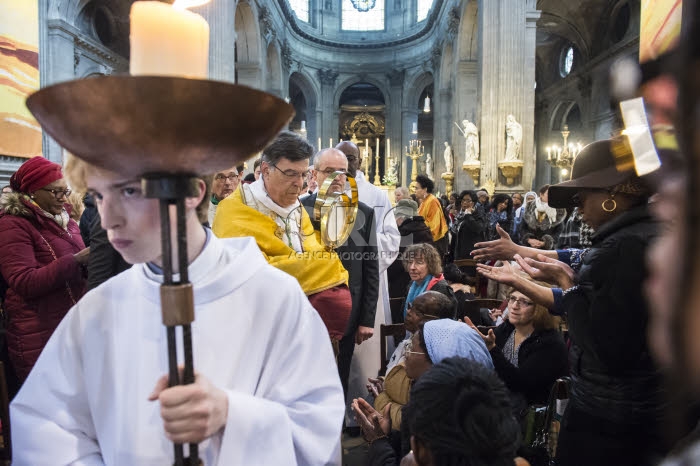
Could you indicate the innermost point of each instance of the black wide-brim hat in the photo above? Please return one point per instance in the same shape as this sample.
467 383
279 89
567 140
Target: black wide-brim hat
595 167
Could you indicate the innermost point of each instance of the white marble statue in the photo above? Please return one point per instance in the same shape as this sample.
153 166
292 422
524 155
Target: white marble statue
448 157
429 166
471 138
514 138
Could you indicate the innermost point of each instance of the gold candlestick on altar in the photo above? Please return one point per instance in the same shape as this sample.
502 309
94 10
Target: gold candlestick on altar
415 152
377 180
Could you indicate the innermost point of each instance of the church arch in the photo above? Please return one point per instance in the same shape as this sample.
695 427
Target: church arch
360 79
248 46
468 43
274 70
303 96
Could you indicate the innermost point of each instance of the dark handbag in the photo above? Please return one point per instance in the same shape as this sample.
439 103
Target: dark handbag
541 427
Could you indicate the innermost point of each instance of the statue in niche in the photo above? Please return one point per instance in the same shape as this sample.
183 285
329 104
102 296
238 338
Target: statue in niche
448 157
471 139
514 138
429 166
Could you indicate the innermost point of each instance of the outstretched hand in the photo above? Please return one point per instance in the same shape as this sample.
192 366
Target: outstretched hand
500 249
489 339
504 274
191 413
373 424
548 270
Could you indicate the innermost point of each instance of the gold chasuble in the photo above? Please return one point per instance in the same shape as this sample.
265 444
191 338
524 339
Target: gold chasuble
315 268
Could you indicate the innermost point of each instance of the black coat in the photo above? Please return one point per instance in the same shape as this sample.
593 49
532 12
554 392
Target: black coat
541 361
615 389
104 262
87 218
360 258
471 230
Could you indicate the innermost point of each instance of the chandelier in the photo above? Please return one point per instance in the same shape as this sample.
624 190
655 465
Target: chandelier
363 5
563 157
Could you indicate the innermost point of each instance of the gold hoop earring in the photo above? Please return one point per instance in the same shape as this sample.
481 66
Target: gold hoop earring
614 205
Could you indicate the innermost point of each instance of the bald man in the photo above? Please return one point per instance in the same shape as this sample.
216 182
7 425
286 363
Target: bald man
359 257
365 362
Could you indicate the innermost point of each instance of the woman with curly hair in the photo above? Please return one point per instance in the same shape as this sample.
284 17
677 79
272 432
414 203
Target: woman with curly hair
424 265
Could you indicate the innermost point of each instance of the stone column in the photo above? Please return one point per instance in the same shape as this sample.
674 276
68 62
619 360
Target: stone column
221 16
392 115
328 124
506 77
56 64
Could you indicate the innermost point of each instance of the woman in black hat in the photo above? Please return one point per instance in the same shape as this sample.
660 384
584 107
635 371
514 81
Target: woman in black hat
615 407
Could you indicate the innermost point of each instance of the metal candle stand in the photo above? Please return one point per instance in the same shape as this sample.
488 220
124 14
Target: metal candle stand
176 298
163 130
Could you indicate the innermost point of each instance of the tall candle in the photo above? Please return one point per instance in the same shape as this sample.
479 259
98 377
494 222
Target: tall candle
377 154
168 41
319 144
330 142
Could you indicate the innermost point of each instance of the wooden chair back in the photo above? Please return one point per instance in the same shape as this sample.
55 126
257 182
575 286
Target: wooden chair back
472 309
398 331
470 263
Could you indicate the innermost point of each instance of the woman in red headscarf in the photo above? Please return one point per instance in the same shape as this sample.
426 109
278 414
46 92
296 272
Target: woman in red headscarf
42 260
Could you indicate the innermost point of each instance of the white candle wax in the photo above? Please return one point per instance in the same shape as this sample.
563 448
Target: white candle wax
166 41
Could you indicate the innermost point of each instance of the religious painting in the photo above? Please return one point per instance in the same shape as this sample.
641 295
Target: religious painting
20 134
660 28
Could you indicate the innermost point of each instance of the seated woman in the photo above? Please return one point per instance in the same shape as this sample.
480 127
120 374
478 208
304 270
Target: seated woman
424 265
394 388
500 213
528 351
541 223
484 433
435 341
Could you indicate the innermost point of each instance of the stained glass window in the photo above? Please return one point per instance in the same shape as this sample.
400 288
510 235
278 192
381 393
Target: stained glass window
567 62
362 15
301 9
423 8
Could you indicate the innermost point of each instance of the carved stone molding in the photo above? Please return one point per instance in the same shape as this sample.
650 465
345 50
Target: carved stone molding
286 54
396 77
585 85
113 60
327 77
453 23
435 55
266 24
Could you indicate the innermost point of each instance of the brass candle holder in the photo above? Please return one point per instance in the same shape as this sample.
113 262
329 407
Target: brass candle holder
166 131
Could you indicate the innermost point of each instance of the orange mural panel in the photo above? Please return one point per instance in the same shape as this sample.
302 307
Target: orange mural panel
20 134
660 28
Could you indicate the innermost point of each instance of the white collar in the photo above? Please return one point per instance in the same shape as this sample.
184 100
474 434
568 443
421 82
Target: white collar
259 191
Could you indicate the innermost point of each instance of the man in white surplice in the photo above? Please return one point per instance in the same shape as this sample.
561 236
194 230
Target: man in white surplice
267 389
365 362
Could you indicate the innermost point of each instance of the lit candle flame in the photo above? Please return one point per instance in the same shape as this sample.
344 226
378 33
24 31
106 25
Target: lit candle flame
185 4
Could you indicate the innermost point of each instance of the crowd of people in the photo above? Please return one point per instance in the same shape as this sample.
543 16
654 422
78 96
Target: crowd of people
591 289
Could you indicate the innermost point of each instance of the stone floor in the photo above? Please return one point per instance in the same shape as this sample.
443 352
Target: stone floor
354 451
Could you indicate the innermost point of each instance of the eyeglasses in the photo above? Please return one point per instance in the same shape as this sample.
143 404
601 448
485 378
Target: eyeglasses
291 173
329 171
57 193
411 308
221 176
521 302
409 349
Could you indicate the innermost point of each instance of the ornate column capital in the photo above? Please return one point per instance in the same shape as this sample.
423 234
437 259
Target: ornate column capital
327 77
